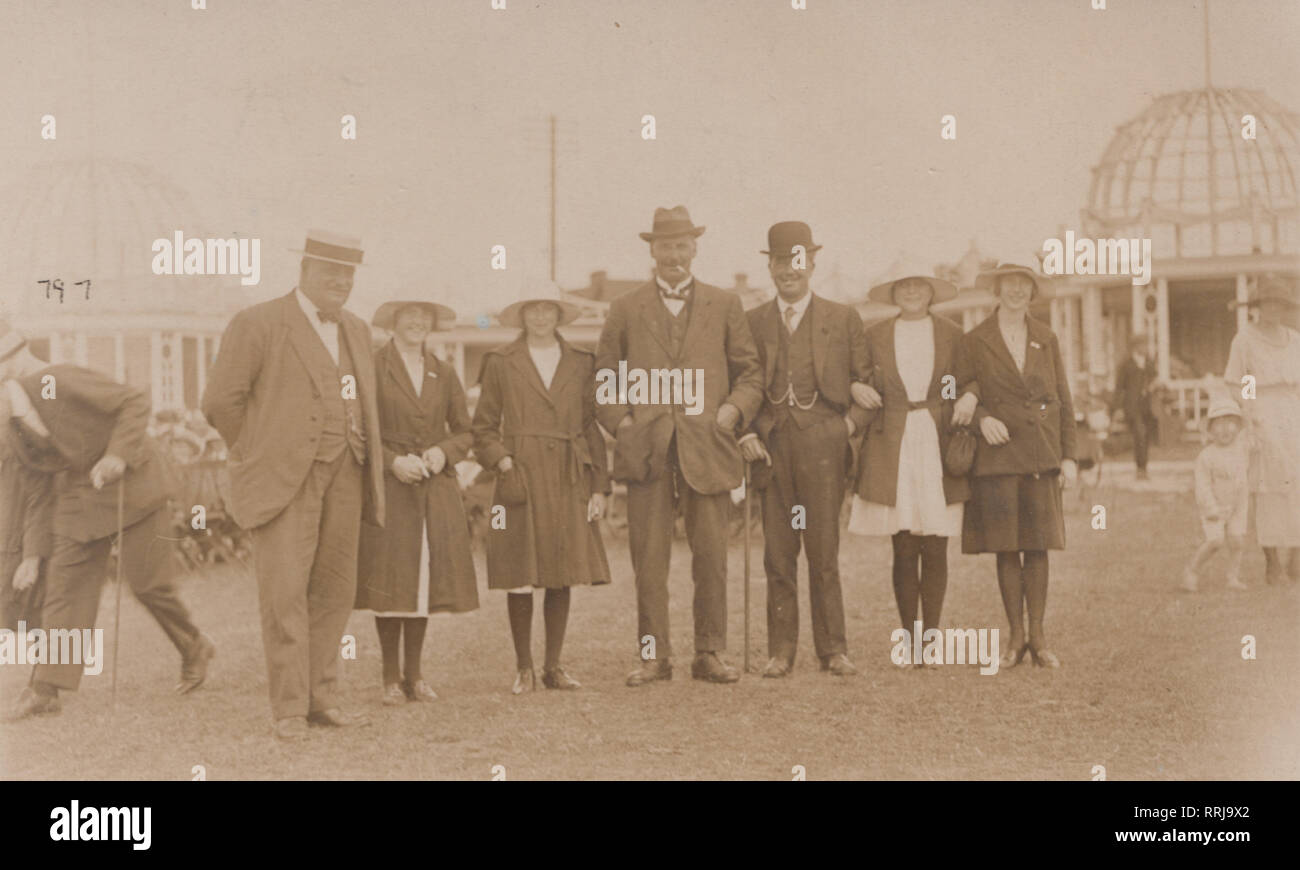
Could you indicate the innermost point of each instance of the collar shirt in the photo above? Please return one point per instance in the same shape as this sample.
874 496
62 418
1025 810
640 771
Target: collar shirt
798 309
674 305
328 332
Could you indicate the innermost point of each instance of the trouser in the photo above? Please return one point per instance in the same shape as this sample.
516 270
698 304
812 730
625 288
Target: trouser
1141 425
807 471
650 517
76 576
306 559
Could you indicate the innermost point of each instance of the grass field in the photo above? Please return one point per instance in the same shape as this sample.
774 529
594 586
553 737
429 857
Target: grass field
1153 685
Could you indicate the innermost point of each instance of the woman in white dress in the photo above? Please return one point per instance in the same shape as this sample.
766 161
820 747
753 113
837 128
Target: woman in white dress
902 489
1269 351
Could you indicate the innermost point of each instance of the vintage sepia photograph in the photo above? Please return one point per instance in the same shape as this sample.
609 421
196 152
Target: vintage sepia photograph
588 390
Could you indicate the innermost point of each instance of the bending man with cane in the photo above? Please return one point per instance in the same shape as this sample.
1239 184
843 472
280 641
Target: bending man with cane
89 432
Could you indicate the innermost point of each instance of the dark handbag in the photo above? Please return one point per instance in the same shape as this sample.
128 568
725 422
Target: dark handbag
511 489
960 453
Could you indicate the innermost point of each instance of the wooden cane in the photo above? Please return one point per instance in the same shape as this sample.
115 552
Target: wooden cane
746 545
117 611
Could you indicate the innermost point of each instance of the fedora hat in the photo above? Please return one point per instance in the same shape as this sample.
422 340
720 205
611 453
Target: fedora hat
675 221
386 315
1269 289
911 267
331 247
512 314
987 279
11 340
782 237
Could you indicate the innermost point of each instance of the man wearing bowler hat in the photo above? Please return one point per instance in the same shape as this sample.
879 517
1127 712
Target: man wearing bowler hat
813 351
670 458
293 395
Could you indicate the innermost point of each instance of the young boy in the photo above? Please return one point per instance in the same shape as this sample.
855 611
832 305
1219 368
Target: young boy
1222 493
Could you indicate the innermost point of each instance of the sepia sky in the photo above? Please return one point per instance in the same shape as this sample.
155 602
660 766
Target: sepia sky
763 113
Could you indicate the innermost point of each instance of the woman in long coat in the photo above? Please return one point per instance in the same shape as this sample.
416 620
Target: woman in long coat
535 423
902 488
421 561
1269 351
1026 454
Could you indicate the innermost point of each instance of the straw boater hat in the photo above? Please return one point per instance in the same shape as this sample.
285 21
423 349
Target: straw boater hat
987 279
331 247
1269 289
386 315
675 221
911 267
512 314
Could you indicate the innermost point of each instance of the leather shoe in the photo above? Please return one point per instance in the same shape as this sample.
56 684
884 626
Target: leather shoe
655 669
421 691
840 666
33 703
336 718
393 695
1013 655
556 678
1045 658
777 667
291 729
525 681
707 666
194 667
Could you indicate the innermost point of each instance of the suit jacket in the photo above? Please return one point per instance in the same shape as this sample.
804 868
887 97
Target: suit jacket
839 350
718 341
877 480
92 415
1035 406
26 510
262 396
1132 386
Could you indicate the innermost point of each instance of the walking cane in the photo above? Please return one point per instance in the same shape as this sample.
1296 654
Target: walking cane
746 545
117 611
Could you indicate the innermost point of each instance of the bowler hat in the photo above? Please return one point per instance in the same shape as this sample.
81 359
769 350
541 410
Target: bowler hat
782 237
675 221
386 315
331 247
512 314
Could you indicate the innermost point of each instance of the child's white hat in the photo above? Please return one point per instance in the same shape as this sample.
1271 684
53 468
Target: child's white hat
1223 407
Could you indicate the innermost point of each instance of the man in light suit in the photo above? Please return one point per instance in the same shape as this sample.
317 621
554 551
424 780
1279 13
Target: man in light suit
813 351
670 458
88 434
293 395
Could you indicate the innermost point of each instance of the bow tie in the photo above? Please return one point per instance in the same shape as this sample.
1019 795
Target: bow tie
328 316
670 294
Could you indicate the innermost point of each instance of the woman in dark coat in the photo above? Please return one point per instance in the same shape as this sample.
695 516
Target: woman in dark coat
902 488
535 423
1026 454
420 561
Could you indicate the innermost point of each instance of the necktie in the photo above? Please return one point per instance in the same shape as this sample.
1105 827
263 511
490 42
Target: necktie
789 318
328 316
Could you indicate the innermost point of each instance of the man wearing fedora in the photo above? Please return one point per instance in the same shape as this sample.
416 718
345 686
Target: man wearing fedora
812 351
88 433
671 459
293 395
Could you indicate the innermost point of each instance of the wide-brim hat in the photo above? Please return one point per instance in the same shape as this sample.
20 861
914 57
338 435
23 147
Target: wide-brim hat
1223 408
331 247
512 314
1269 289
987 279
668 222
783 236
386 315
883 291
